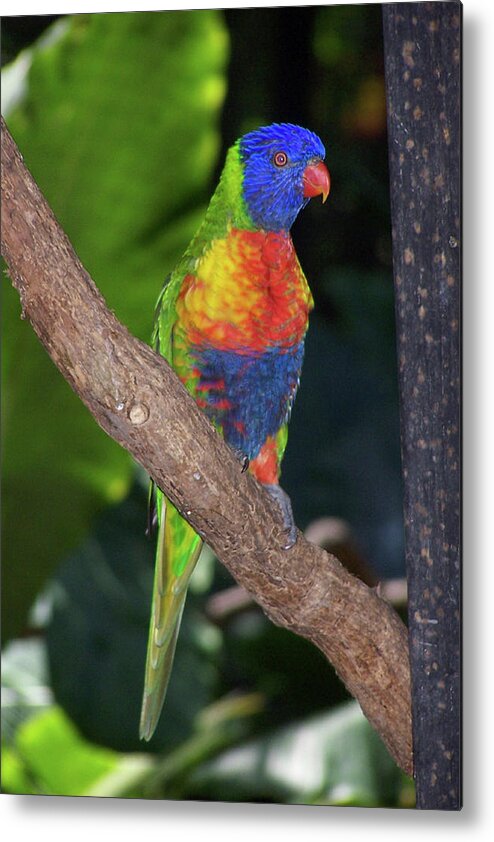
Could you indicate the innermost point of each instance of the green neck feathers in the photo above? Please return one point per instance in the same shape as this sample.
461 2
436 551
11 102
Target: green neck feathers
227 207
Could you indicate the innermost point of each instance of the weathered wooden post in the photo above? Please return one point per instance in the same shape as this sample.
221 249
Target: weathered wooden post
422 59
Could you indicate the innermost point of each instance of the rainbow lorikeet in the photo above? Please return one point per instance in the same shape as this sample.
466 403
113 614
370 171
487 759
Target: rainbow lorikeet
231 320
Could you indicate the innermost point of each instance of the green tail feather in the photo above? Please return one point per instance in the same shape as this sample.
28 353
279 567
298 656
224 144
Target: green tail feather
177 552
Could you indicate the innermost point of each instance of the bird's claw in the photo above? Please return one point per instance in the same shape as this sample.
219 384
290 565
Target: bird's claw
243 459
283 502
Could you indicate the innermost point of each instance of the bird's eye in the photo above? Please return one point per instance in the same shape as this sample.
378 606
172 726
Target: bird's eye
280 159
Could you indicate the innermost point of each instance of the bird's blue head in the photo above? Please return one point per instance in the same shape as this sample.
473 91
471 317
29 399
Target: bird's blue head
282 166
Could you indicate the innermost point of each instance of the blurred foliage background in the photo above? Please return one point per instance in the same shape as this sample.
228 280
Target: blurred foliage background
124 120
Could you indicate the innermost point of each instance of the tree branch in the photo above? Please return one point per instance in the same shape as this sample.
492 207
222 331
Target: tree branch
137 399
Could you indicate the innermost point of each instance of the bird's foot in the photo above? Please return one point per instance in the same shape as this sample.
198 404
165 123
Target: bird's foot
242 458
283 502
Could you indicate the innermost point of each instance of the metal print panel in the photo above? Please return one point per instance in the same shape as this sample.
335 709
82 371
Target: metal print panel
236 578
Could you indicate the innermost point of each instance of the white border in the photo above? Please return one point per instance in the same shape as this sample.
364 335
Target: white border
77 818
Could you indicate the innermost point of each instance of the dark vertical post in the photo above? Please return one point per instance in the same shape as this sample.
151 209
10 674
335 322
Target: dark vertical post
422 60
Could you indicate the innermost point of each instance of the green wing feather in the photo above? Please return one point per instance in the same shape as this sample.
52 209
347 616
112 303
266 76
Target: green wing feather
177 550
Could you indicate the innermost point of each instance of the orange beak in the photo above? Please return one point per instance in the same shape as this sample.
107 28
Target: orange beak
316 180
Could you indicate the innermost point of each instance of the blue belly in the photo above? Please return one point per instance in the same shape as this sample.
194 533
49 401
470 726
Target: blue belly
260 390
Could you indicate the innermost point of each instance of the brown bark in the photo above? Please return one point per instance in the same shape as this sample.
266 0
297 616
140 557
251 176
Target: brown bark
138 400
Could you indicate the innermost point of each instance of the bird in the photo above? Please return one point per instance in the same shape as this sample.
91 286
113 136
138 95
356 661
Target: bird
231 321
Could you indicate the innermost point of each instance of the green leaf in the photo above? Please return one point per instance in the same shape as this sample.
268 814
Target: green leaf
116 116
62 762
15 775
335 758
50 757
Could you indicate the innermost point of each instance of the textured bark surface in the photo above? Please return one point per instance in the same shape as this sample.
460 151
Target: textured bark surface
138 400
422 52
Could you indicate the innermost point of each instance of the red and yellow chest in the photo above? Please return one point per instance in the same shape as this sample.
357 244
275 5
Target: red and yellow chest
247 294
